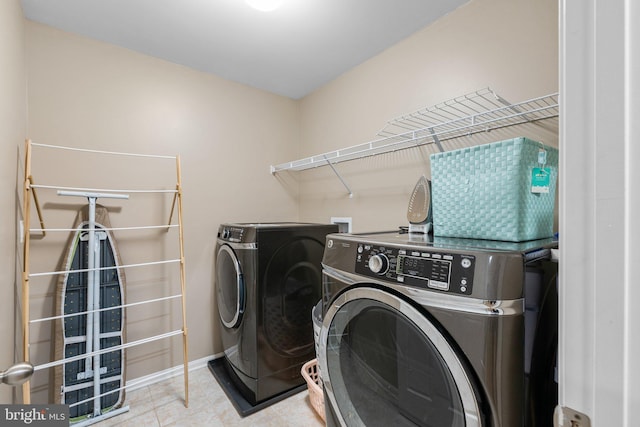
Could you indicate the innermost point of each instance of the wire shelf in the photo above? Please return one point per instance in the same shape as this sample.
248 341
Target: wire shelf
479 111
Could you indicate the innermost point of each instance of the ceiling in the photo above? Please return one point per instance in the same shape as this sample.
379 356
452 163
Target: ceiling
291 51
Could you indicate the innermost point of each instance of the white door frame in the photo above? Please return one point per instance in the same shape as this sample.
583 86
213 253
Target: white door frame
599 351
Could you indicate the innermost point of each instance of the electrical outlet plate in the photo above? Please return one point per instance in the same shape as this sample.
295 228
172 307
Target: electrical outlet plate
567 417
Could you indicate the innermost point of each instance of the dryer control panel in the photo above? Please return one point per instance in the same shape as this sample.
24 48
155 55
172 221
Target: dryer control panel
230 233
442 271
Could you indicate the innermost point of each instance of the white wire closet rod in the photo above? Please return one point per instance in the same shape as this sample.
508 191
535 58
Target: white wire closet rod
481 111
101 190
86 270
108 350
116 307
143 227
115 153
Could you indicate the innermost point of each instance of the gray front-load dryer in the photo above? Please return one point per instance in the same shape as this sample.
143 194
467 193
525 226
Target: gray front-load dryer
268 278
424 331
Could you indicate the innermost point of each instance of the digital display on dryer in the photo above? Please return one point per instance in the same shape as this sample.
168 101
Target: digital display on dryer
436 272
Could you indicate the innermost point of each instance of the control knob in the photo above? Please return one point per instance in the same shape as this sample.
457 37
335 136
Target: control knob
379 264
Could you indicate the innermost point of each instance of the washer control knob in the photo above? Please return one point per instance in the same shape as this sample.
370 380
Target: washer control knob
225 233
379 264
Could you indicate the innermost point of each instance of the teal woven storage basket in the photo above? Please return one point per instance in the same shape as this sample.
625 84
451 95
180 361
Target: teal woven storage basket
484 192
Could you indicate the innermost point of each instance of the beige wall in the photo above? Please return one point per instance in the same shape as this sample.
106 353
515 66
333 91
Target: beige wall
13 119
87 94
510 46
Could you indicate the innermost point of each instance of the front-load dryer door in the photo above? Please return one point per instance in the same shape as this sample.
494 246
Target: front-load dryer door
230 288
385 363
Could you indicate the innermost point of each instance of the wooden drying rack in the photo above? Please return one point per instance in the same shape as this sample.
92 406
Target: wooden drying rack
29 192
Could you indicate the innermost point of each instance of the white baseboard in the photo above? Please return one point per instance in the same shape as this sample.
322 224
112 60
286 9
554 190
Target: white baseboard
169 373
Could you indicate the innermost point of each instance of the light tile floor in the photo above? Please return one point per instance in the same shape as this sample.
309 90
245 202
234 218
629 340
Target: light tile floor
162 404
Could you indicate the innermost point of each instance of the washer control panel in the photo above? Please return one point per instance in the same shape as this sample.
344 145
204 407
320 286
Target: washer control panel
423 268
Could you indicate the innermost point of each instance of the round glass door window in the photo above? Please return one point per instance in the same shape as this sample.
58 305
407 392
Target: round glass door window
230 287
386 369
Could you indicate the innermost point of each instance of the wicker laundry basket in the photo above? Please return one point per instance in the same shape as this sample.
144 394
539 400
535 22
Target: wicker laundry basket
311 375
